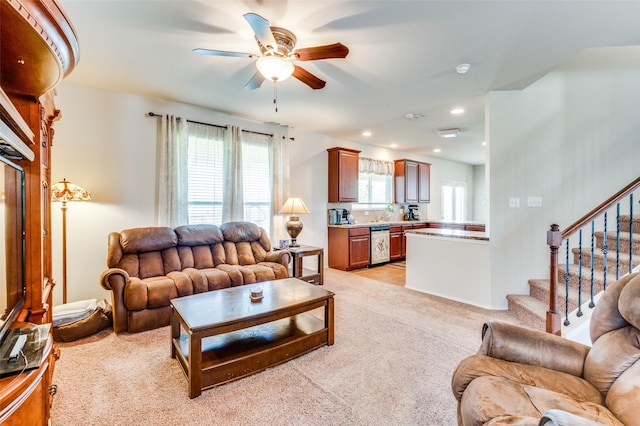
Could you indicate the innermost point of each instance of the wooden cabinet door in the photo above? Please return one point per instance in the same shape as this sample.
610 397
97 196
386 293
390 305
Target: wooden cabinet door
424 177
348 176
404 239
343 175
395 245
411 182
359 251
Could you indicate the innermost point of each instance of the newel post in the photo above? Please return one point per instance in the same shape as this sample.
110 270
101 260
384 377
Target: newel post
554 240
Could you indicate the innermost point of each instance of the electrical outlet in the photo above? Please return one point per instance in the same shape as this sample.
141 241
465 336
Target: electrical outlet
366 213
534 201
514 202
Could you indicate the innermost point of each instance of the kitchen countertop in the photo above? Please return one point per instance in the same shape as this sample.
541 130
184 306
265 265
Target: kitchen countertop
451 233
406 222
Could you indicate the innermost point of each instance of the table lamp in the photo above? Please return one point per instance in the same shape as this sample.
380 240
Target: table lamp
294 206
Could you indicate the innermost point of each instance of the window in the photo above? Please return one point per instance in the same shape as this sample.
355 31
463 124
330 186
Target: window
205 168
256 180
375 181
206 176
453 200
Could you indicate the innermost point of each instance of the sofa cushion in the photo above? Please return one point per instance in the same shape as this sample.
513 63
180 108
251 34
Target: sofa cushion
151 292
492 398
198 235
208 279
138 240
240 231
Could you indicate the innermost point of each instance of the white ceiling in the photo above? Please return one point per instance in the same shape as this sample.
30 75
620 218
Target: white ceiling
402 59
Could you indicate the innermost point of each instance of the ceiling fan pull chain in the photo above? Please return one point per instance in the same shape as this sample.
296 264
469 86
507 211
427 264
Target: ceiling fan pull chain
275 94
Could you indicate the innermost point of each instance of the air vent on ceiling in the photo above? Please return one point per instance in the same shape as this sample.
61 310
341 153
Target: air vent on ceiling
449 133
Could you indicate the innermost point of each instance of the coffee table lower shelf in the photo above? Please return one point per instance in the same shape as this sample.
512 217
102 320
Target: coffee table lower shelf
234 355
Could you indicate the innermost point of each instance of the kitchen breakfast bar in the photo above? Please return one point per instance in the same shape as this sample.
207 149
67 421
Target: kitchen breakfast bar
454 264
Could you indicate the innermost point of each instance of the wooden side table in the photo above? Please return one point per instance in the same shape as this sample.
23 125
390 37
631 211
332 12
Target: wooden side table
311 276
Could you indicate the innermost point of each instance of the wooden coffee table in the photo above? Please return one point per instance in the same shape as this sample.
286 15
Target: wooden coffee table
222 335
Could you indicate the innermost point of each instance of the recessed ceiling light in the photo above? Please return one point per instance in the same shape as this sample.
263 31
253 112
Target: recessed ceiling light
366 133
457 111
449 133
437 150
463 68
394 145
484 144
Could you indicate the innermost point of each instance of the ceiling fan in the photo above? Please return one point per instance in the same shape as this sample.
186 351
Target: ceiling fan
277 54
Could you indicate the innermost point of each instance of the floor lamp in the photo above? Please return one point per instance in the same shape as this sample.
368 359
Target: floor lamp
66 191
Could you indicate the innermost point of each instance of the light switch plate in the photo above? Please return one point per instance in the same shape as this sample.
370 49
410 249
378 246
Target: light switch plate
534 201
514 202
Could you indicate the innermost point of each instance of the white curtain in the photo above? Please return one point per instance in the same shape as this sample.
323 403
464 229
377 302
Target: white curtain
232 193
279 164
376 167
172 208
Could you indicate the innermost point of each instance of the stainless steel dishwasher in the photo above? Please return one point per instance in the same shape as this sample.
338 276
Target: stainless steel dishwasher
379 245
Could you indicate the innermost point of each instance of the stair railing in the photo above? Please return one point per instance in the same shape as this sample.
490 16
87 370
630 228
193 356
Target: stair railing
555 239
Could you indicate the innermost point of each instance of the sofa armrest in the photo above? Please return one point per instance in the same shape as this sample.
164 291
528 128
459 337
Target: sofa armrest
282 257
533 347
115 280
105 277
557 417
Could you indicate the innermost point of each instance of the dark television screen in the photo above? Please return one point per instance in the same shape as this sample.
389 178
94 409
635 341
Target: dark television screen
12 283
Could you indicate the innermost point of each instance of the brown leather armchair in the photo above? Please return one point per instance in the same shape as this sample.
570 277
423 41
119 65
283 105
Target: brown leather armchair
529 377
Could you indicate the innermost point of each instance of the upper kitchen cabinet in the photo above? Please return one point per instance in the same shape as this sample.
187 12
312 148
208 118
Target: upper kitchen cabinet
412 179
343 175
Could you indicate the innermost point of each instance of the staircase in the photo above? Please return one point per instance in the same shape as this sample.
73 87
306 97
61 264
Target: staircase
532 308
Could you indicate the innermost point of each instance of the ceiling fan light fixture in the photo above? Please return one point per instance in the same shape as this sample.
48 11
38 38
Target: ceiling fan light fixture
274 67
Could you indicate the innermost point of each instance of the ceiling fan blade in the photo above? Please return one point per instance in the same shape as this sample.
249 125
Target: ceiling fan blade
255 81
307 78
223 53
336 50
262 29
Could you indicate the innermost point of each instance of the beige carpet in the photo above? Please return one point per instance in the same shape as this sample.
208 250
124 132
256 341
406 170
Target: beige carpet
392 361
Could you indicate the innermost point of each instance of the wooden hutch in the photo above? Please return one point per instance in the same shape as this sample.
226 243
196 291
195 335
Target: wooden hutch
38 48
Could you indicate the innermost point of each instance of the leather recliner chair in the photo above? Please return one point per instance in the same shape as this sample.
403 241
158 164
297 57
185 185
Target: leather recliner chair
529 377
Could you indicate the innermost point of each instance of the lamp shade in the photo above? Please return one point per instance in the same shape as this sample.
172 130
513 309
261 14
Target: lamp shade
294 206
67 191
274 67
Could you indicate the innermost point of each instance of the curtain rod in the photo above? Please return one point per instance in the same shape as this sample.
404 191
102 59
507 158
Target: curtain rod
153 114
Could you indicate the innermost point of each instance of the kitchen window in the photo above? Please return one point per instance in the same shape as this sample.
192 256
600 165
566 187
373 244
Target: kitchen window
453 195
375 181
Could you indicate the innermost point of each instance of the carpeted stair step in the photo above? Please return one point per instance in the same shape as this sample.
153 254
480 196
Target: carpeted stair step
625 237
625 222
598 277
539 289
598 259
528 310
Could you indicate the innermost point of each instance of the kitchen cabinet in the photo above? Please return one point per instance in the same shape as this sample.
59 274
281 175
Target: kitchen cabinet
349 248
343 175
412 180
395 242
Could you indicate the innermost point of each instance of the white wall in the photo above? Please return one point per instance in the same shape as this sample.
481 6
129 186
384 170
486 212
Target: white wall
105 143
571 138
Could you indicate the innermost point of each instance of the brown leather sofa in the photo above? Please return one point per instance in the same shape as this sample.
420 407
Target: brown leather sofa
528 377
150 266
